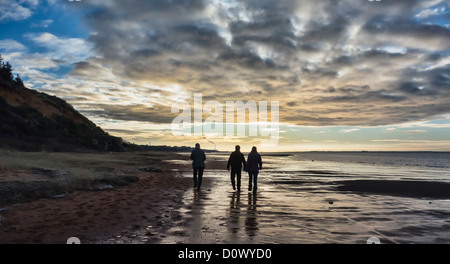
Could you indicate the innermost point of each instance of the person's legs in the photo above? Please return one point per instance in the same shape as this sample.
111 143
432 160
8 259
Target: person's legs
232 175
195 177
250 179
238 174
200 177
255 182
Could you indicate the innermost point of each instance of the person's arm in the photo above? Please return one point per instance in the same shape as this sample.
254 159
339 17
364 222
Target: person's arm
204 156
229 162
243 162
260 162
191 157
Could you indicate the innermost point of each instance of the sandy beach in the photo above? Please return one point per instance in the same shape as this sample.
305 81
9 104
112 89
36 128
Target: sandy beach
163 208
96 216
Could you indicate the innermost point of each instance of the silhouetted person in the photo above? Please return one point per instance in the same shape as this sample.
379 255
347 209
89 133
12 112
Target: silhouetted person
236 161
198 158
254 164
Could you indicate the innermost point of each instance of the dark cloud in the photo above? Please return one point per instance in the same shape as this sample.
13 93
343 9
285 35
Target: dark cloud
311 46
145 53
434 57
319 73
434 82
351 96
411 87
440 78
347 114
331 31
142 113
381 54
247 59
203 36
292 103
372 55
407 27
344 60
84 66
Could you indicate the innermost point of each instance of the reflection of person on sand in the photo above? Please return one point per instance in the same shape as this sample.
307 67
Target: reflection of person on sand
198 158
254 164
251 219
235 214
236 161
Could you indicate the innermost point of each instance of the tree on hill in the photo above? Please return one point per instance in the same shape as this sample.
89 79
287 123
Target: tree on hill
6 70
19 80
6 73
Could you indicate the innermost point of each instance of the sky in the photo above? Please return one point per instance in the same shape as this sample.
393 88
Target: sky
348 75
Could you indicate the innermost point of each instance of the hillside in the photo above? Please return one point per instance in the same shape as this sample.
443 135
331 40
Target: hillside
35 121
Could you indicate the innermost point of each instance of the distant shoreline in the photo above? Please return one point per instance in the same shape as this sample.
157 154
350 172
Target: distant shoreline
339 151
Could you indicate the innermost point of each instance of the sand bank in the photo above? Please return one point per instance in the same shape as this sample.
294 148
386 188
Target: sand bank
414 189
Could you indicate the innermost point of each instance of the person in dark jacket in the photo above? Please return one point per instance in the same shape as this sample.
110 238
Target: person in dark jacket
236 161
254 164
198 158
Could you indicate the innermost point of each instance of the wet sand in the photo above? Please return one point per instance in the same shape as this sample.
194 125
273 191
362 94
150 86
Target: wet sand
96 216
163 208
308 211
414 189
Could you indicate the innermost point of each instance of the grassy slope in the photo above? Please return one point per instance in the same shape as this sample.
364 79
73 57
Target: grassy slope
35 121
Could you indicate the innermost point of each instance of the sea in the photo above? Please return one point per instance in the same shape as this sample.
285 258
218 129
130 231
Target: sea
299 201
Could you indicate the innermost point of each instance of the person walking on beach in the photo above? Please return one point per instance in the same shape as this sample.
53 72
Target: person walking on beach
198 158
236 161
254 164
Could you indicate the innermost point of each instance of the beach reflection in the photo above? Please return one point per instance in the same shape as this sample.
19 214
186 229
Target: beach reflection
301 201
251 219
197 196
234 214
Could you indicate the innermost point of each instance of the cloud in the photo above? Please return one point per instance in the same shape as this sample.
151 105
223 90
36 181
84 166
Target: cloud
65 50
16 10
431 12
408 32
141 113
349 130
42 24
412 141
416 131
37 67
8 45
328 62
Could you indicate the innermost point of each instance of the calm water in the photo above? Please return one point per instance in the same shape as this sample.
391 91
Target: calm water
297 202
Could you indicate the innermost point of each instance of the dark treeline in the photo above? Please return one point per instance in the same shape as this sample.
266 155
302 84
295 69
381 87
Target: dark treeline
136 147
